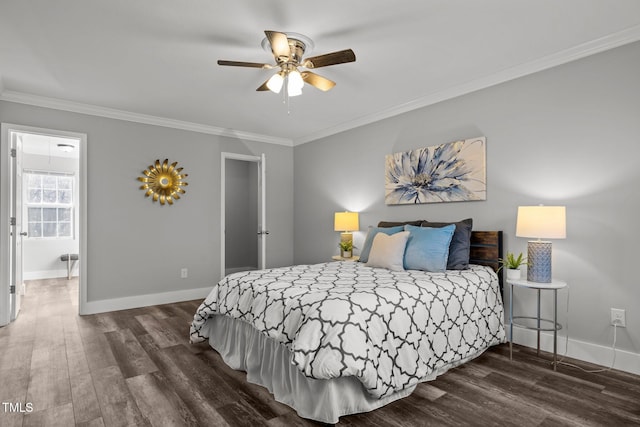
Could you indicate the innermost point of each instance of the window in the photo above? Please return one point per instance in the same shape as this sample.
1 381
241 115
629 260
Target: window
49 204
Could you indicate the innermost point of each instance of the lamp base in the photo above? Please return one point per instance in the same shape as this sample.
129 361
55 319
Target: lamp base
539 259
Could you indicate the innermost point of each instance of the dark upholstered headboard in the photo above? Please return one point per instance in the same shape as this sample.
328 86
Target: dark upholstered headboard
486 249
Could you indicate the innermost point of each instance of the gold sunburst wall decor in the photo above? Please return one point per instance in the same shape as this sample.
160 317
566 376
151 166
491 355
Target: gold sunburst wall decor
163 181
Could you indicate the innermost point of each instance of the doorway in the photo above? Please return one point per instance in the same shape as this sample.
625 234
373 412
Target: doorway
44 191
243 213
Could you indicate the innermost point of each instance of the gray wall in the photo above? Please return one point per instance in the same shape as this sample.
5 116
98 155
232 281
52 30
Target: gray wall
568 135
241 214
137 247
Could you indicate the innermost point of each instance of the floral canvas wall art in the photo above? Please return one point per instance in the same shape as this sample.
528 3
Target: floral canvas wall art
452 172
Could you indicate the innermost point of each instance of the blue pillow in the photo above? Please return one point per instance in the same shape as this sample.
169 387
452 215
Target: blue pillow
428 248
366 248
460 245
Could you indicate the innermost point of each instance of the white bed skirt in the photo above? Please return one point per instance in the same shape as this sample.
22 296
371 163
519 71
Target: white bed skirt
268 363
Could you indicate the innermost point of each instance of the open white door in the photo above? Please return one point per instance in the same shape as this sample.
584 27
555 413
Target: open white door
17 233
262 227
262 230
11 216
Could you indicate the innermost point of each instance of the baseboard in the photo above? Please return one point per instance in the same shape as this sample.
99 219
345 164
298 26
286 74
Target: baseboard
581 350
115 304
47 274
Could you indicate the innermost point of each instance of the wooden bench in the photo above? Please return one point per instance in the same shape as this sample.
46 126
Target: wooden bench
71 260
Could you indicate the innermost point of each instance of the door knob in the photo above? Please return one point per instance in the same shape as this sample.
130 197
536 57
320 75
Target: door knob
24 233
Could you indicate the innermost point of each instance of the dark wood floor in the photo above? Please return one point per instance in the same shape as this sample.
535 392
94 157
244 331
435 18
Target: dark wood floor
135 367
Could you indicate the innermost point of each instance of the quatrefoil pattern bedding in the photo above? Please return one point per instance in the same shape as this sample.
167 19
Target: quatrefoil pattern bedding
389 329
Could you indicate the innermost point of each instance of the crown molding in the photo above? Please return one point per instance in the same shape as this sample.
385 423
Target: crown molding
583 50
93 110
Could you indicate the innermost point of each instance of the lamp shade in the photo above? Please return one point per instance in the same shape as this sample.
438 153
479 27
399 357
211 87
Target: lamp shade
294 83
295 80
542 222
346 221
275 83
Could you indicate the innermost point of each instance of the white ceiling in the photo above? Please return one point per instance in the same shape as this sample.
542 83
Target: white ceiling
154 61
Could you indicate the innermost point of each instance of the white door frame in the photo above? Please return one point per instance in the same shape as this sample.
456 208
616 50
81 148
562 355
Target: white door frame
262 215
16 237
5 193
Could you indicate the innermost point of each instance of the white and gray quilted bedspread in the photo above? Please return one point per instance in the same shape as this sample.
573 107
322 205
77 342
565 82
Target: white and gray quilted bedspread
389 329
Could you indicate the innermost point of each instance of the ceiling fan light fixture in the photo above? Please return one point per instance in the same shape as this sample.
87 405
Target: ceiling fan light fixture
67 148
289 50
275 82
295 81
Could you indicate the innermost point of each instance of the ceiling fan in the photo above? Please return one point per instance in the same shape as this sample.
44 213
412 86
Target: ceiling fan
288 50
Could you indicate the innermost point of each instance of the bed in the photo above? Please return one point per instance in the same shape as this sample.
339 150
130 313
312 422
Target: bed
338 338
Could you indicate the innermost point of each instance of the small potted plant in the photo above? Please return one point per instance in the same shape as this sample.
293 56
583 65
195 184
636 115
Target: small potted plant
513 264
346 248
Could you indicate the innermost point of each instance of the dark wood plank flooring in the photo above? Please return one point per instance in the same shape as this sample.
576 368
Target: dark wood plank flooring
135 367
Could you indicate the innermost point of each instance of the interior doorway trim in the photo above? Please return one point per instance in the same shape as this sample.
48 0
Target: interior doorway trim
261 207
5 159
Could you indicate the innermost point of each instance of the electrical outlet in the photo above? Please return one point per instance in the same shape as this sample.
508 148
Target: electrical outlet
184 273
618 317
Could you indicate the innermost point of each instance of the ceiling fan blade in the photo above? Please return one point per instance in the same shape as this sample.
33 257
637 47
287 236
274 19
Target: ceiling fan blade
340 57
263 87
279 45
244 64
322 83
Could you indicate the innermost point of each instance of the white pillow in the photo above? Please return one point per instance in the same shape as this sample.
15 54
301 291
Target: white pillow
388 251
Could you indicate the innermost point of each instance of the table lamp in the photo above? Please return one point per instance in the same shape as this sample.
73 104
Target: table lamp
345 222
541 222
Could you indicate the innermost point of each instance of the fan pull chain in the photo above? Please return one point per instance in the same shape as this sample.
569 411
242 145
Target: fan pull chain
286 94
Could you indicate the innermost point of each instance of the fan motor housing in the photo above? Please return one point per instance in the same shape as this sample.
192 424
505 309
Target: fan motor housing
298 43
297 50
